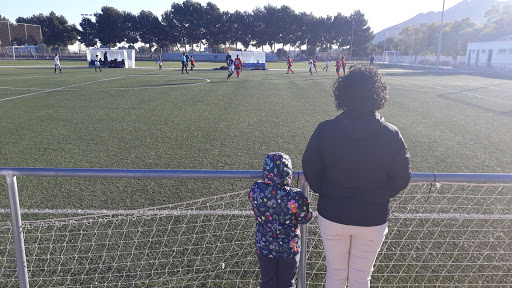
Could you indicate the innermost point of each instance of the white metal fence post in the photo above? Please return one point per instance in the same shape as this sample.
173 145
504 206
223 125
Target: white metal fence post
17 231
301 278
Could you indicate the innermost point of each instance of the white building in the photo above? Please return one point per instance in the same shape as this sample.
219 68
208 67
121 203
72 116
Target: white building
495 55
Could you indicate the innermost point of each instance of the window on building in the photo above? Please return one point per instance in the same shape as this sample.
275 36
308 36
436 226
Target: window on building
510 50
502 51
483 51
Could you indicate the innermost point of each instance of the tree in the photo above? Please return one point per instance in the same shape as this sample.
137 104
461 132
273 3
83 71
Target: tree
287 23
56 31
212 31
87 33
149 27
2 18
131 28
499 21
363 35
340 30
187 19
456 36
110 30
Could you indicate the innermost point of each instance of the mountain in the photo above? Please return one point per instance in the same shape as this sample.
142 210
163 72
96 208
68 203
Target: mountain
474 9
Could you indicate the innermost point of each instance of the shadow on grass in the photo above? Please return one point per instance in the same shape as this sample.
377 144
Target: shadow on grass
446 96
431 72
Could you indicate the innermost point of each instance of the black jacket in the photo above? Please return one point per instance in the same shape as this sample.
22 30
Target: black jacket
356 163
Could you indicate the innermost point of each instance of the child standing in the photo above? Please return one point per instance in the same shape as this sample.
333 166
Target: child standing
343 64
57 63
338 66
159 62
192 63
278 210
290 64
97 63
326 64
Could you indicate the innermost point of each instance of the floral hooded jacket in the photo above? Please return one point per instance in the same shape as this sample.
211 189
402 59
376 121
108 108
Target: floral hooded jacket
278 209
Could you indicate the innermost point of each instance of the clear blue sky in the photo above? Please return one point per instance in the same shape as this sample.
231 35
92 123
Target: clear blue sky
380 14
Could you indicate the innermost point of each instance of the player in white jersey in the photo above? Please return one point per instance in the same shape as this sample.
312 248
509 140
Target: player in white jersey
57 63
326 64
231 67
97 64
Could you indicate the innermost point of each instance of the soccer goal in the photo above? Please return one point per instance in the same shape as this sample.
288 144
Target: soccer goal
389 57
116 55
453 233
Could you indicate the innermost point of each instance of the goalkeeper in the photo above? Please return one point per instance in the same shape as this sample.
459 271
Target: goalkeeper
278 210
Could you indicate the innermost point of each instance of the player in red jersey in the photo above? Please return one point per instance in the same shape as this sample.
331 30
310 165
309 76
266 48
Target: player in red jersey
343 64
238 66
314 64
338 66
290 64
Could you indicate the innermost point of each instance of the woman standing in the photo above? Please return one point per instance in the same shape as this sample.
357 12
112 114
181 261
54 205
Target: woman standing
355 162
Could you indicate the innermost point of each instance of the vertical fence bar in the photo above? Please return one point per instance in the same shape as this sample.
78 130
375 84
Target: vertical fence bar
301 278
17 232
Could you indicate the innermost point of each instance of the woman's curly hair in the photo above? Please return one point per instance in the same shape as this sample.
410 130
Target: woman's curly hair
360 90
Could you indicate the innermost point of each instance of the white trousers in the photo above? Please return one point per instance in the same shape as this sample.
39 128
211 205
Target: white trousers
350 252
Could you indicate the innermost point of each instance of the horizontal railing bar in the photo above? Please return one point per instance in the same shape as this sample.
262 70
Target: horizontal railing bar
476 178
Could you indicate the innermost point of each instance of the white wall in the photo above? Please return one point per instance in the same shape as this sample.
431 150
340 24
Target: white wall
501 56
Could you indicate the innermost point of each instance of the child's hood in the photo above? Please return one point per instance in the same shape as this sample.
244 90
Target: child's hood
277 169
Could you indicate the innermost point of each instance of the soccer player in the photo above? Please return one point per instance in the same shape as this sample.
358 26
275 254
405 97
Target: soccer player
230 63
311 65
314 64
238 66
97 64
326 64
159 61
338 66
57 63
184 63
192 63
290 64
343 64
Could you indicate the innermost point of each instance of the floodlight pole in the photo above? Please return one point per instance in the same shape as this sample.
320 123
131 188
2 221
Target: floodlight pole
440 39
86 28
352 38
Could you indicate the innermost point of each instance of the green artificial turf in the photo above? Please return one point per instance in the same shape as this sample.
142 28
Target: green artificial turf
150 119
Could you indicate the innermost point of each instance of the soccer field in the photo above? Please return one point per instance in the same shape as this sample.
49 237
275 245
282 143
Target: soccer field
150 119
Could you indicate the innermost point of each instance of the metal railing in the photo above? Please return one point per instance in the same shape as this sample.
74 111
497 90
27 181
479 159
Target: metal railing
12 187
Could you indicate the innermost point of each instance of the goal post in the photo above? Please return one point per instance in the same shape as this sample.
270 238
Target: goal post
20 39
389 56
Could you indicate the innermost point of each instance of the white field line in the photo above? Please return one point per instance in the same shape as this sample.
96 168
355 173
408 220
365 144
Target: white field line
67 88
244 213
451 90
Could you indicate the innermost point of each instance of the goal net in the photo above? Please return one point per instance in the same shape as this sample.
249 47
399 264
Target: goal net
389 57
20 39
447 236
